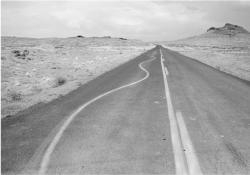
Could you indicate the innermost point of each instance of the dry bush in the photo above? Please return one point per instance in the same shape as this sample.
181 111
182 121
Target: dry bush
15 95
59 81
26 52
15 51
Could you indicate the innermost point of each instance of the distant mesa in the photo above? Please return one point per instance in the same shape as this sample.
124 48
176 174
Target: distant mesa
80 36
106 37
229 30
123 38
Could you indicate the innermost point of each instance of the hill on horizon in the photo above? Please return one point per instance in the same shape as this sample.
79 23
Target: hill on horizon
230 31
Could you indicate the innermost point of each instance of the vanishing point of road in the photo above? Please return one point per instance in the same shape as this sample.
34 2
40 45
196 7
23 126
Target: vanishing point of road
160 113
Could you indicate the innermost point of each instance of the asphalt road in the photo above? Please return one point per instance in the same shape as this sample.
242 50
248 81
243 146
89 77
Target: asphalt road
126 122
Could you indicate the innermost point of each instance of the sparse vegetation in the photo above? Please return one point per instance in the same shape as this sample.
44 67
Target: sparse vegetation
217 49
58 47
19 54
56 58
15 95
59 81
15 51
25 52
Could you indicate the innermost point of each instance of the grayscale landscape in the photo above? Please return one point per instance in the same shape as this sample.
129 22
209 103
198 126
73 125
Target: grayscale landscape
225 48
40 70
125 87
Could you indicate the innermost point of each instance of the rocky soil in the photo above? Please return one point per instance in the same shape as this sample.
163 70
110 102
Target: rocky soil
40 70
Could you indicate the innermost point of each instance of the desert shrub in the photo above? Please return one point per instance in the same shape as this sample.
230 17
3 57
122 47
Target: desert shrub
26 52
58 47
15 51
18 54
15 95
59 81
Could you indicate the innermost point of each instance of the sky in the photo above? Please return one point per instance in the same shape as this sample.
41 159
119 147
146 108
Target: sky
144 20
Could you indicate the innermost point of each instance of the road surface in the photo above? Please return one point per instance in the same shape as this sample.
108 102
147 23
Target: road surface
160 113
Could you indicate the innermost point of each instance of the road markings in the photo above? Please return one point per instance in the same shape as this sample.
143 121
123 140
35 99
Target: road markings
166 70
178 153
193 164
185 163
52 145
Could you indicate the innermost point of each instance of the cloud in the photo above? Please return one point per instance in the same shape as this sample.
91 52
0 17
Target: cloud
74 24
71 18
146 20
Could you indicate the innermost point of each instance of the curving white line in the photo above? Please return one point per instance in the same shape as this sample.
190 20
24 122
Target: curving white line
50 149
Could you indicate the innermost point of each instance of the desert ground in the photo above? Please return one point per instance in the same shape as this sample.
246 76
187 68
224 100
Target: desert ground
230 54
40 70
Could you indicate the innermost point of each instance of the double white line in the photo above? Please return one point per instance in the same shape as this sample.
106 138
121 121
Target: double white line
186 161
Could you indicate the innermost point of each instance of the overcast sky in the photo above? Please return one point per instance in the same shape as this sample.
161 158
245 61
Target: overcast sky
145 20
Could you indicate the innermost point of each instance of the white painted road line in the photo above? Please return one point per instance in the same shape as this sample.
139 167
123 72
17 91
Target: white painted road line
166 70
186 162
192 161
180 165
52 145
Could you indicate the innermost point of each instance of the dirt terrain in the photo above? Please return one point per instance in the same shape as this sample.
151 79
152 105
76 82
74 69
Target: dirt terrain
226 48
40 70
